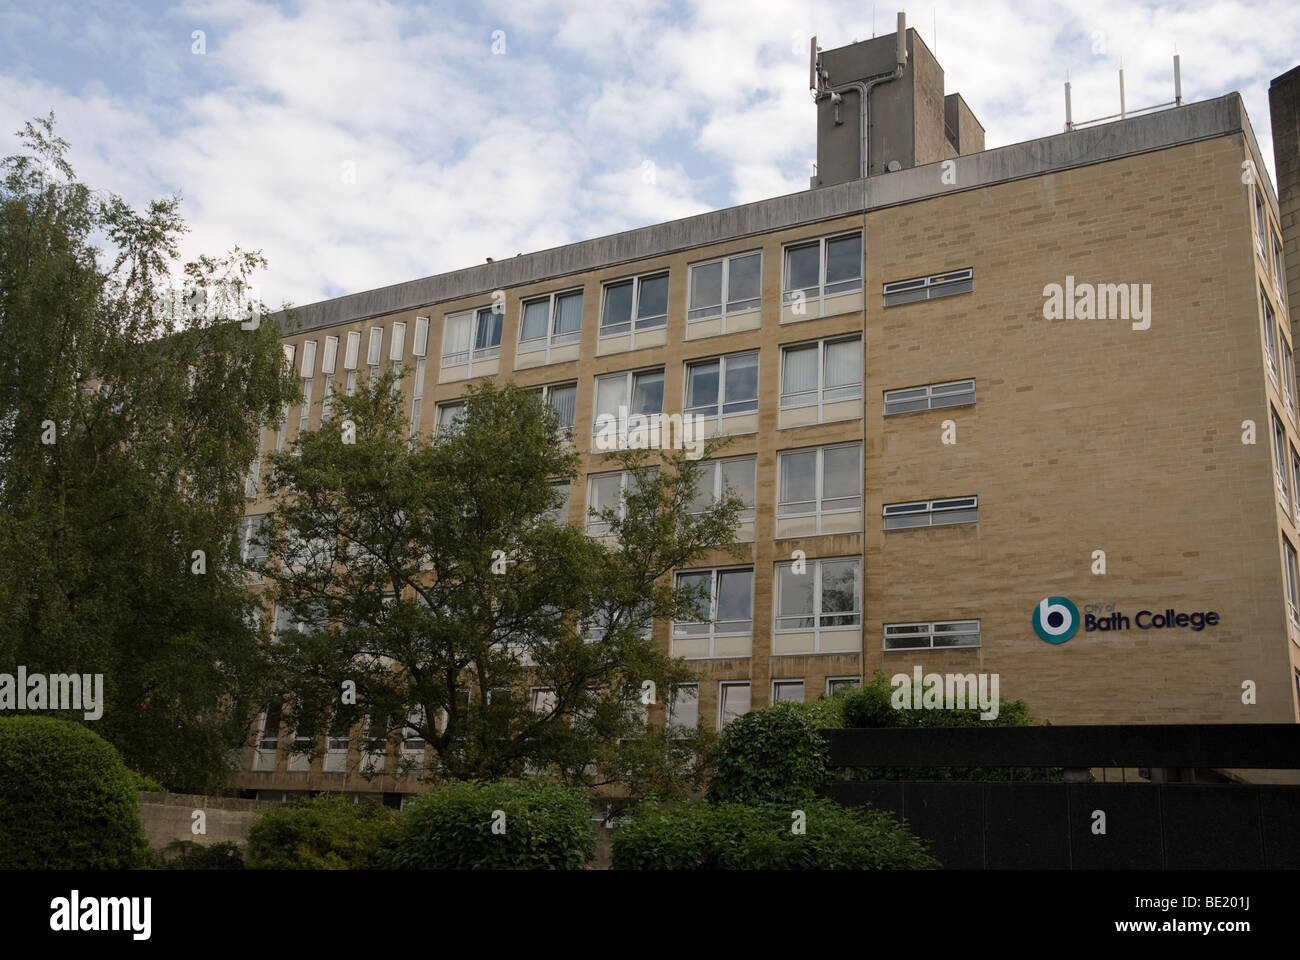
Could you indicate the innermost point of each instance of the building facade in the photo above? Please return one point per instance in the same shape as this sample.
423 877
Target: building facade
1032 408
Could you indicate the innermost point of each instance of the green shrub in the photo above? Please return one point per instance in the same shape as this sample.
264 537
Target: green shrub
188 855
735 836
324 833
545 827
774 754
871 706
67 801
146 785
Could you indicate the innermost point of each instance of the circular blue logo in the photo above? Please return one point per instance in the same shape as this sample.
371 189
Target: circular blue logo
1055 619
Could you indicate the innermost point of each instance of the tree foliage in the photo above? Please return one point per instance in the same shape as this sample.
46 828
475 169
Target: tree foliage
438 577
129 410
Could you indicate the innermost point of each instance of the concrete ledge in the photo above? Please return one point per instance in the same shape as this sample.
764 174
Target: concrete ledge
169 816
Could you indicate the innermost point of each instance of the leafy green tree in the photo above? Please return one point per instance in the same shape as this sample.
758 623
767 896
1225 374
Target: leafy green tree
129 411
438 580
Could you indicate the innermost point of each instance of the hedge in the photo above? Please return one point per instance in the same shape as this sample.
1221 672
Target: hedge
189 855
324 833
737 836
507 825
774 754
67 801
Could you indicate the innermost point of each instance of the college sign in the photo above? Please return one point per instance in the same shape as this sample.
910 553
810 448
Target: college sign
1057 619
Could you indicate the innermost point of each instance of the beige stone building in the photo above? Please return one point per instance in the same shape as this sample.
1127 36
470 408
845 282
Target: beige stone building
953 444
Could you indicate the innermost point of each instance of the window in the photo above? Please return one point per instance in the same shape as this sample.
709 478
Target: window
254 475
1270 334
930 513
338 739
412 739
684 706
308 360
268 730
1292 582
1279 458
724 287
607 491
449 415
723 386
735 476
826 596
283 428
637 304
550 321
330 358
417 400
397 344
375 347
791 690
485 325
350 361
288 620
421 345
305 414
835 684
819 480
929 288
376 743
560 512
957 393
1288 379
733 701
821 372
621 395
825 267
252 530
1295 481
1277 268
725 599
562 398
924 636
542 700
1261 222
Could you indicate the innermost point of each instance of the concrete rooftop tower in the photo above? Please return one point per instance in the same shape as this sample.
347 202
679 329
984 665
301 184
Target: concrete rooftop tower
881 108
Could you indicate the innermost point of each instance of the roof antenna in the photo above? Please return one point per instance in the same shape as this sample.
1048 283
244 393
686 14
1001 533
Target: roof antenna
873 21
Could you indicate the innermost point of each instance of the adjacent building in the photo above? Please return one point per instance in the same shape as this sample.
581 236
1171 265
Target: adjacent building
1028 411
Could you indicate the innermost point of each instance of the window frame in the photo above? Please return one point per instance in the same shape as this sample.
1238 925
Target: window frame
789 294
715 583
819 481
950 283
724 308
933 510
670 717
814 567
1271 335
545 389
780 682
853 681
715 465
635 323
1291 578
932 394
721 415
628 392
820 402
722 699
625 481
551 338
930 632
1280 447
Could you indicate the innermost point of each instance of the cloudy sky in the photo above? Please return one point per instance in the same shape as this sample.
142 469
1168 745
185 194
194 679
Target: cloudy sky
360 144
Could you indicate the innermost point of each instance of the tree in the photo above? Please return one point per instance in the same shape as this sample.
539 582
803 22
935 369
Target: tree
437 580
129 411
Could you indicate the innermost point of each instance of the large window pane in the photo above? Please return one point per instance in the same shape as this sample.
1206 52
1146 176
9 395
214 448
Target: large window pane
800 372
706 285
844 259
741 477
648 392
843 363
568 313
741 389
565 401
803 266
611 393
702 388
798 482
652 300
455 340
734 699
704 496
735 600
743 277
702 584
489 329
794 598
533 326
839 593
618 307
841 475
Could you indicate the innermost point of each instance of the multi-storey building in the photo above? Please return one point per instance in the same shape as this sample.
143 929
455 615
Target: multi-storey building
1044 392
